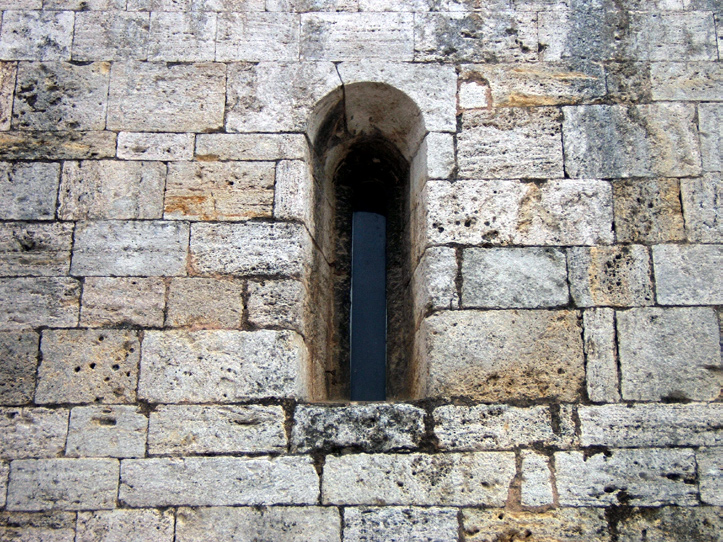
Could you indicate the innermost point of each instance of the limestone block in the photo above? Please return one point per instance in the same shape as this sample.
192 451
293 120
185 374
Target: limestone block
233 366
109 189
648 477
40 527
702 203
250 147
218 481
418 479
32 432
28 191
250 248
702 523
710 474
504 36
440 155
276 96
302 6
63 484
110 35
710 119
18 367
510 143
182 37
293 192
601 367
36 35
628 81
109 301
434 281
367 524
190 429
85 366
21 4
157 97
688 274
617 276
651 425
225 191
681 36
120 248
257 37
72 145
474 93
647 210
514 278
124 525
655 364
536 488
277 303
149 146
8 71
532 85
697 81
35 249
504 355
631 141
107 431
43 301
82 5
357 36
205 303
492 427
4 474
583 32
560 525
241 524
366 427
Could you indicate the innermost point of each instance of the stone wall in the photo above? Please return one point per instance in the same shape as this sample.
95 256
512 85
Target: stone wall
160 215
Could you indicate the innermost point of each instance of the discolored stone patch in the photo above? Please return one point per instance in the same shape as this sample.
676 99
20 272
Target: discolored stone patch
28 191
699 524
111 301
45 526
73 145
117 525
648 211
18 367
8 71
372 524
35 249
205 303
38 301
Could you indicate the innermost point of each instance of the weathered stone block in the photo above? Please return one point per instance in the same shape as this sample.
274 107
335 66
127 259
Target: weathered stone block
45 527
234 365
710 119
601 367
536 485
35 249
56 145
32 432
285 524
61 96
649 477
277 303
510 143
582 32
293 192
28 191
681 36
120 248
710 474
110 35
123 301
107 431
8 71
628 81
434 281
702 199
18 367
631 141
250 146
4 474
182 36
561 524
250 248
503 355
617 276
225 191
701 523
124 525
187 430
149 146
82 5
85 366
63 484
441 159
366 524
425 479
688 274
655 364
688 81
218 481
257 37
200 302
366 427
33 302
36 35
157 97
647 211
514 278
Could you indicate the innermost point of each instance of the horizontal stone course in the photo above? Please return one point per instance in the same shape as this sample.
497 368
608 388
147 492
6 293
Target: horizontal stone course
45 526
32 432
151 146
71 145
250 146
36 35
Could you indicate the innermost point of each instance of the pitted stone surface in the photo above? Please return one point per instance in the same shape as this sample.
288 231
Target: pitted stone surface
32 432
601 367
710 474
536 486
204 303
371 524
688 81
218 481
42 301
257 37
56 145
711 136
702 202
688 275
28 191
182 37
110 35
198 429
648 211
18 367
36 35
124 525
110 301
35 249
277 303
700 523
434 281
8 71
40 527
107 431
250 146
150 146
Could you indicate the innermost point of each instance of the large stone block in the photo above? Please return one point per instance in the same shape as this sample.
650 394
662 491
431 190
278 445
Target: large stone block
218 481
45 527
601 367
18 367
120 248
536 484
250 146
257 37
110 35
200 302
582 32
699 524
150 146
8 71
647 477
63 484
35 249
72 145
28 191
710 119
702 199
503 355
36 35
32 432
631 141
198 429
182 36
157 97
43 301
109 189
82 5
109 301
233 366
419 479
367 524
434 282
648 210
687 81
688 274
628 81
710 475
277 303
681 36
107 431
85 366
125 525
224 191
